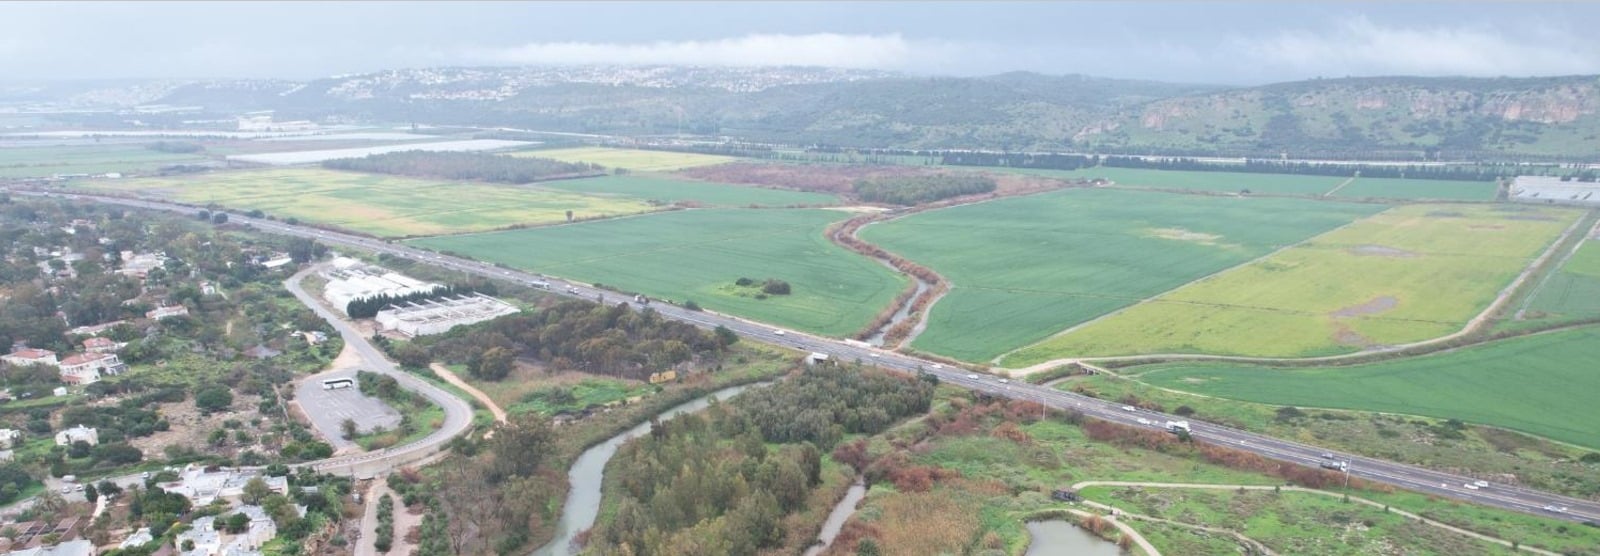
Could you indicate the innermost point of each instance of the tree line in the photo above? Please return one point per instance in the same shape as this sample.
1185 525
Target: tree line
1455 173
368 307
913 190
464 166
709 483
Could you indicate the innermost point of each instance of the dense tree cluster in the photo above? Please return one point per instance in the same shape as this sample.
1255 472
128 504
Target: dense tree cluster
912 190
177 147
1044 161
465 166
708 483
612 340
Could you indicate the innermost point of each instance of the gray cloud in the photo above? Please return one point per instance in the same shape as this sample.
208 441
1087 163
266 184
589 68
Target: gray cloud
1359 46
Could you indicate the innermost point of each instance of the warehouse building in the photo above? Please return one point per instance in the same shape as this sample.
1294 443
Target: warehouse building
365 282
436 316
1554 191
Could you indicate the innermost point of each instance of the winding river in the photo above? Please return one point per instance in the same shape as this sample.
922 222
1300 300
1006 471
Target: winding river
583 500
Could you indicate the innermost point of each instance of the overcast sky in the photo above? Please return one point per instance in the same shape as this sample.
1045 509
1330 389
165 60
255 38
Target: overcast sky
1245 43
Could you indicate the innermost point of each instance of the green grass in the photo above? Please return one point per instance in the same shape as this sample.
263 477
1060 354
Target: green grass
631 159
1573 291
1024 268
1541 385
379 205
18 162
1295 522
1220 182
698 254
1411 273
585 394
426 420
665 190
1396 188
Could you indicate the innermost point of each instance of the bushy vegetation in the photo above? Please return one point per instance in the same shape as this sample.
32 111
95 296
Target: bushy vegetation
913 190
709 483
463 166
580 335
385 532
178 147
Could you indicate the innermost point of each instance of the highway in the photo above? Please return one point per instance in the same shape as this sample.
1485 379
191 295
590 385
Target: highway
1405 476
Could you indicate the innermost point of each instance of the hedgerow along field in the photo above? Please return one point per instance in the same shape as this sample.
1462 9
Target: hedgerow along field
630 159
1411 273
1542 384
20 162
669 191
1216 182
699 255
389 206
1023 268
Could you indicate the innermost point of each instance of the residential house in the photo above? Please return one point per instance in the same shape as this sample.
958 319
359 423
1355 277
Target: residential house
101 345
207 542
80 547
87 368
139 265
9 438
79 433
137 539
31 356
203 487
95 329
166 312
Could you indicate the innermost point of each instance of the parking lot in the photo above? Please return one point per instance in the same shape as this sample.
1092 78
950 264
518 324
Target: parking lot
328 409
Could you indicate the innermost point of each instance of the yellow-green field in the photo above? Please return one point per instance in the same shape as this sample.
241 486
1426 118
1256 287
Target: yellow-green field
1407 274
380 205
635 160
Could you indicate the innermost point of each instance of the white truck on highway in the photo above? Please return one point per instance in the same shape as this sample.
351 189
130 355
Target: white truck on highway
1176 427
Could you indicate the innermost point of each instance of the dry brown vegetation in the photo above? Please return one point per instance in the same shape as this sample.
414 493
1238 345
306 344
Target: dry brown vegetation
841 178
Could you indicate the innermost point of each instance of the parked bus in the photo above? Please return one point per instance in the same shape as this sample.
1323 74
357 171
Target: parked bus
337 383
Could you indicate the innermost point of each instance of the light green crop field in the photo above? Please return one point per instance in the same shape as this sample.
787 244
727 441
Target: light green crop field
666 190
1024 268
1395 188
1542 384
631 159
380 205
18 162
699 254
1411 273
1573 291
1221 182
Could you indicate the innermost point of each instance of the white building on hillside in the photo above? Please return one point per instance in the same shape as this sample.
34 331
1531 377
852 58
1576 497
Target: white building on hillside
31 356
437 316
79 433
350 284
87 368
202 532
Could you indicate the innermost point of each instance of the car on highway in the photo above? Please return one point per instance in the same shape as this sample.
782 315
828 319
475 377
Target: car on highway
937 366
1005 381
778 332
1327 455
1129 408
1481 484
972 377
873 355
1469 486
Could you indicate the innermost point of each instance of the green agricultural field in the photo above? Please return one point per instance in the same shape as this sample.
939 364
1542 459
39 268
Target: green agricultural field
699 254
1573 291
1221 182
1541 384
667 191
1023 268
631 159
1409 274
1395 188
20 162
380 205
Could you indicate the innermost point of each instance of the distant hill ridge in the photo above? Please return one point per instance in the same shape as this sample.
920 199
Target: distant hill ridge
1377 117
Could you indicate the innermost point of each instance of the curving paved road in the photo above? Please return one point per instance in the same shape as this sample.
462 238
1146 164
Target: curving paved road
1401 475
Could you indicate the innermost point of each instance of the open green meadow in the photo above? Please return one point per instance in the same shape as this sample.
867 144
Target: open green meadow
1220 182
22 162
1396 188
1023 268
699 254
1411 273
668 191
1572 291
379 205
631 159
1541 384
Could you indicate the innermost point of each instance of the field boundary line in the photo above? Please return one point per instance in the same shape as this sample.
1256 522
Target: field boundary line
1205 486
1474 325
1537 289
1341 185
1058 362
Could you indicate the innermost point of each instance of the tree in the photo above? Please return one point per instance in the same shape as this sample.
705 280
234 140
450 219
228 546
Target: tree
691 305
91 494
1183 410
109 489
348 427
519 445
256 490
213 398
726 336
494 365
237 523
219 218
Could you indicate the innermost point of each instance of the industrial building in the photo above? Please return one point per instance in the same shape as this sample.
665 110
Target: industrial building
436 316
364 282
1554 191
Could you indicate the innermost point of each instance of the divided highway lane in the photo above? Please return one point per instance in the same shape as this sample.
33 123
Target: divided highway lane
1400 475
